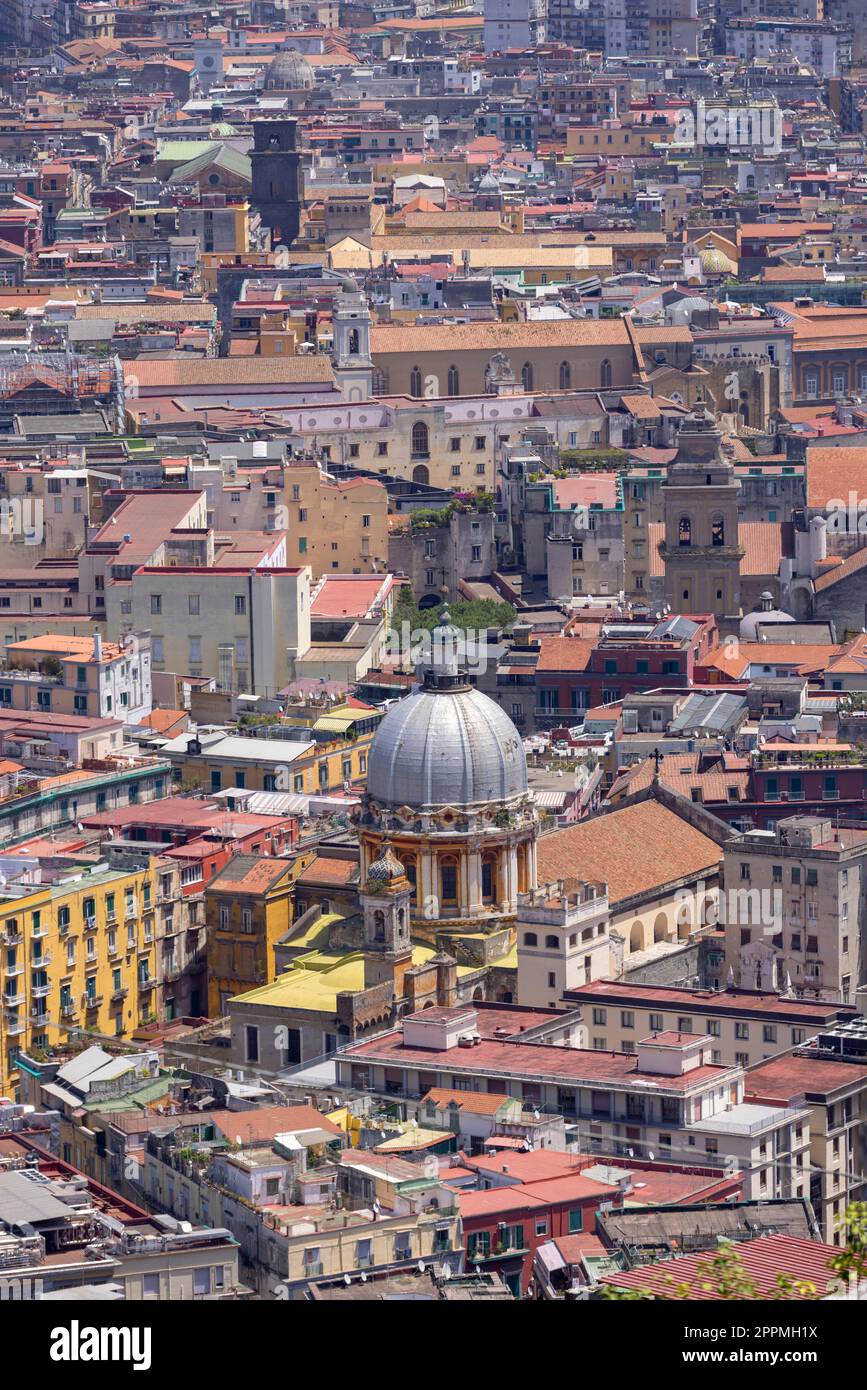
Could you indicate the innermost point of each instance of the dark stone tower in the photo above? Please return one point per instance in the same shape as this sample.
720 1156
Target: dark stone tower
701 549
277 177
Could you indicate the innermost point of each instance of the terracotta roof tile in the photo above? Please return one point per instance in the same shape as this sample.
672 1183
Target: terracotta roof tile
606 848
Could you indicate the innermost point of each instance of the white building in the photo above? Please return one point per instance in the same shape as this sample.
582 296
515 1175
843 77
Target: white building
513 24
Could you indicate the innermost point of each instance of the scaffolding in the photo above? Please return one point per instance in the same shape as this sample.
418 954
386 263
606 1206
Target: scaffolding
57 383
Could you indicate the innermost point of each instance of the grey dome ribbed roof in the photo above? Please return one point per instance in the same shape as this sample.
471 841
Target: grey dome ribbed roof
288 71
446 748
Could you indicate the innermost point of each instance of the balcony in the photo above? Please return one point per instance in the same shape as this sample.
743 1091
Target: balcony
118 995
15 1027
40 991
11 1001
38 1019
12 970
92 1001
68 1010
90 924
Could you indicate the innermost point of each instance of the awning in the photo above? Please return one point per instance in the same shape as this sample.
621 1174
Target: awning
331 725
550 1257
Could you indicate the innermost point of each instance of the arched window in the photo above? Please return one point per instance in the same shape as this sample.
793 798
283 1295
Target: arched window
530 938
353 341
527 376
605 375
420 446
421 474
415 382
684 531
717 531
551 943
449 881
454 381
565 376
379 925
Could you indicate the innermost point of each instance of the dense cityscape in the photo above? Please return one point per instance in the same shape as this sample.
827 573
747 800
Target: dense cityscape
433 659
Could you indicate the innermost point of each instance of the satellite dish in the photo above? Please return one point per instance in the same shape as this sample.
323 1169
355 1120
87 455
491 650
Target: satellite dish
347 1281
420 1266
650 1155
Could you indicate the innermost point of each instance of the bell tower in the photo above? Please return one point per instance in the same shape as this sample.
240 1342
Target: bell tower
701 550
353 366
385 905
277 177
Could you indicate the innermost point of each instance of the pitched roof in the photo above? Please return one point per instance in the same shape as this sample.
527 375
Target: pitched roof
485 337
563 654
762 542
833 472
224 371
763 1260
267 1121
604 849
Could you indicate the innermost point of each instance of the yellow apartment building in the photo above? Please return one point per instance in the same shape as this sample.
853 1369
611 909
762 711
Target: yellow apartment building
65 674
218 761
248 907
334 527
79 953
614 140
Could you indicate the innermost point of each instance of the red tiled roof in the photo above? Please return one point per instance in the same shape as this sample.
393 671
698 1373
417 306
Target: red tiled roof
563 654
267 1121
605 849
805 1261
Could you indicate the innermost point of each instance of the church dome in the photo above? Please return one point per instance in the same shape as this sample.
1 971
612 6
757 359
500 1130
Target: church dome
289 71
446 747
386 871
489 183
716 262
767 613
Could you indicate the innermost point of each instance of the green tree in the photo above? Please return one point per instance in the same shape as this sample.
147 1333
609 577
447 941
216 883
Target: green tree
472 614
